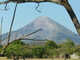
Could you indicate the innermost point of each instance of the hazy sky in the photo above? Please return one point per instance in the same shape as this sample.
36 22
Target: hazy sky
26 13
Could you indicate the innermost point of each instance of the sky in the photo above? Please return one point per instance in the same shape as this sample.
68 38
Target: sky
26 13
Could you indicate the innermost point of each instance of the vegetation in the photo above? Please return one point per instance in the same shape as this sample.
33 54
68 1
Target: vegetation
38 51
46 50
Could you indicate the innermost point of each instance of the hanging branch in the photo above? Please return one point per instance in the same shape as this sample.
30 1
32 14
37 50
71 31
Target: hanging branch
6 7
6 2
37 7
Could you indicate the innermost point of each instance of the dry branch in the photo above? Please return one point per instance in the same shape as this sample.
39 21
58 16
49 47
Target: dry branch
33 39
4 39
12 23
2 53
22 38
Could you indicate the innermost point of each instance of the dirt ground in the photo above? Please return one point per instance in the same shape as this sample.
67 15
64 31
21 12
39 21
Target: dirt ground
40 59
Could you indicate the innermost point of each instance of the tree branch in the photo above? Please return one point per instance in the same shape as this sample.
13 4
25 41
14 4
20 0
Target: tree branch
12 23
24 1
2 52
71 14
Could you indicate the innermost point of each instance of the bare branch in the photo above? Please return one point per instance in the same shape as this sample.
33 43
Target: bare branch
33 39
4 38
30 33
22 38
2 53
12 22
28 39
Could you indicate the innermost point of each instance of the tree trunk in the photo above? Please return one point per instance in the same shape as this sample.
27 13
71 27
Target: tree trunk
72 16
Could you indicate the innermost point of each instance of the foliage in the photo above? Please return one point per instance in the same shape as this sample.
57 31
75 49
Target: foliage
48 49
1 48
53 53
66 47
68 43
50 44
15 48
78 53
38 51
18 42
26 51
78 50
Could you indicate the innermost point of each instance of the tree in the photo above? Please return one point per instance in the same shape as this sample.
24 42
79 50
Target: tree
38 51
68 43
50 44
66 47
15 48
26 51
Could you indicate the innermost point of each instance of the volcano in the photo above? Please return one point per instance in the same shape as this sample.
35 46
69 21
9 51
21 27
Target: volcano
51 30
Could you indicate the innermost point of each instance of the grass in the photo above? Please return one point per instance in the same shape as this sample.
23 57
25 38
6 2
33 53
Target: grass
39 59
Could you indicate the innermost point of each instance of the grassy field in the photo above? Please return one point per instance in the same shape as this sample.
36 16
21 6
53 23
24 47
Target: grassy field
39 59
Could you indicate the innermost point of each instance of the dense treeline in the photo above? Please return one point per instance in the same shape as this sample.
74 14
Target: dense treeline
47 50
